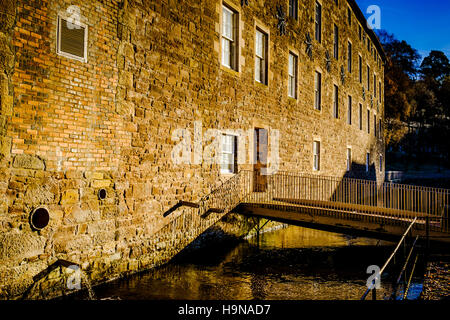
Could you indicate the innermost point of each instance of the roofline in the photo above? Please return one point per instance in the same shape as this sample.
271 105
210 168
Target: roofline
362 19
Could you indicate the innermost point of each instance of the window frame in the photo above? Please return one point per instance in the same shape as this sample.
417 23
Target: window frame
336 42
349 158
349 56
335 101
316 155
293 9
294 77
84 59
264 60
234 153
349 110
318 24
234 43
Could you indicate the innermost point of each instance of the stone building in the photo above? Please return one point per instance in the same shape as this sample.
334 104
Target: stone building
113 95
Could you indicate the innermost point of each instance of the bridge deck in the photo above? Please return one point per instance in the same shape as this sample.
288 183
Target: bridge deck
378 222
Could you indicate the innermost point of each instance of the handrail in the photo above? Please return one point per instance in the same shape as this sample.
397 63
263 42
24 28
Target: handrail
390 258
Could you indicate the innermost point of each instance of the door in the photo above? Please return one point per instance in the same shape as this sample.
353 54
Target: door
260 160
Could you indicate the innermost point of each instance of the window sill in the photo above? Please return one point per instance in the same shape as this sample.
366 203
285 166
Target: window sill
230 71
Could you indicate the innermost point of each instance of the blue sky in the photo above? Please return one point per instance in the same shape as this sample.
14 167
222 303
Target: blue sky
424 24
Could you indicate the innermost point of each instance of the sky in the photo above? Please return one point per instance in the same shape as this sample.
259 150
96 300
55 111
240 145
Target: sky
424 24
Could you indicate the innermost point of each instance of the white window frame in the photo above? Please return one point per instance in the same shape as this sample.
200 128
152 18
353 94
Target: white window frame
233 55
261 59
292 78
58 39
349 158
317 90
233 152
316 155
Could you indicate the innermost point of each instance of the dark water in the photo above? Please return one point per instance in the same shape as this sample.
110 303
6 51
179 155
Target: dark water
290 264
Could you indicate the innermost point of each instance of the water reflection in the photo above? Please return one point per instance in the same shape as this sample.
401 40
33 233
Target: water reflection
289 264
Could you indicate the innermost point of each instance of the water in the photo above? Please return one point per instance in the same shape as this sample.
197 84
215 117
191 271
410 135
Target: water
290 264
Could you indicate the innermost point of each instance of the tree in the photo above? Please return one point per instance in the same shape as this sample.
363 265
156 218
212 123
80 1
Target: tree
400 53
435 67
400 70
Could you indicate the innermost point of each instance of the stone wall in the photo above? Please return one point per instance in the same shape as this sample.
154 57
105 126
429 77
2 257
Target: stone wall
69 128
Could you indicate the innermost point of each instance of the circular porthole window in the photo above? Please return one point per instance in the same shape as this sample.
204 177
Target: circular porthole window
102 194
39 218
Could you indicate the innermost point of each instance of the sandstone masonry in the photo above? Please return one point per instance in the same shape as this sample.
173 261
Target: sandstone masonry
69 128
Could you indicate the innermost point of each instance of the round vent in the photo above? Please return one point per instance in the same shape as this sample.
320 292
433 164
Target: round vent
39 218
102 194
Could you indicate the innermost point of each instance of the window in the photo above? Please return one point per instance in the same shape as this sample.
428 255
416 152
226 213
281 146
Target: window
379 89
360 70
229 38
318 22
72 39
261 61
375 125
318 91
292 85
316 156
349 159
374 86
229 154
293 9
349 16
336 102
349 62
367 162
368 78
380 129
381 163
336 42
360 33
349 112
360 117
368 121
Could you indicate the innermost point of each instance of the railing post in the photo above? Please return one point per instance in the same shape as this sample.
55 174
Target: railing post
427 236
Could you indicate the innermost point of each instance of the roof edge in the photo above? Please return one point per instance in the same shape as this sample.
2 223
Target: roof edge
362 19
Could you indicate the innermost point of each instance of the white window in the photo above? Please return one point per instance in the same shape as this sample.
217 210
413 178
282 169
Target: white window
261 57
316 156
229 42
292 86
229 154
349 159
318 91
367 162
72 39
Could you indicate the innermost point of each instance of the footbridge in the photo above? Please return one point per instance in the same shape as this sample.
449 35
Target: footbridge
343 205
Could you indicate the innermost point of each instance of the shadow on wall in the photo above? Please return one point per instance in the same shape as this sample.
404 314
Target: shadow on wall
360 171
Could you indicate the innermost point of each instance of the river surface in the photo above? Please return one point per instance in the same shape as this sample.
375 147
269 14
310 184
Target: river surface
289 264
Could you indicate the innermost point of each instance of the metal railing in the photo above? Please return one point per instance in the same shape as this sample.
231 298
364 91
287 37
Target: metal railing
390 203
373 288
